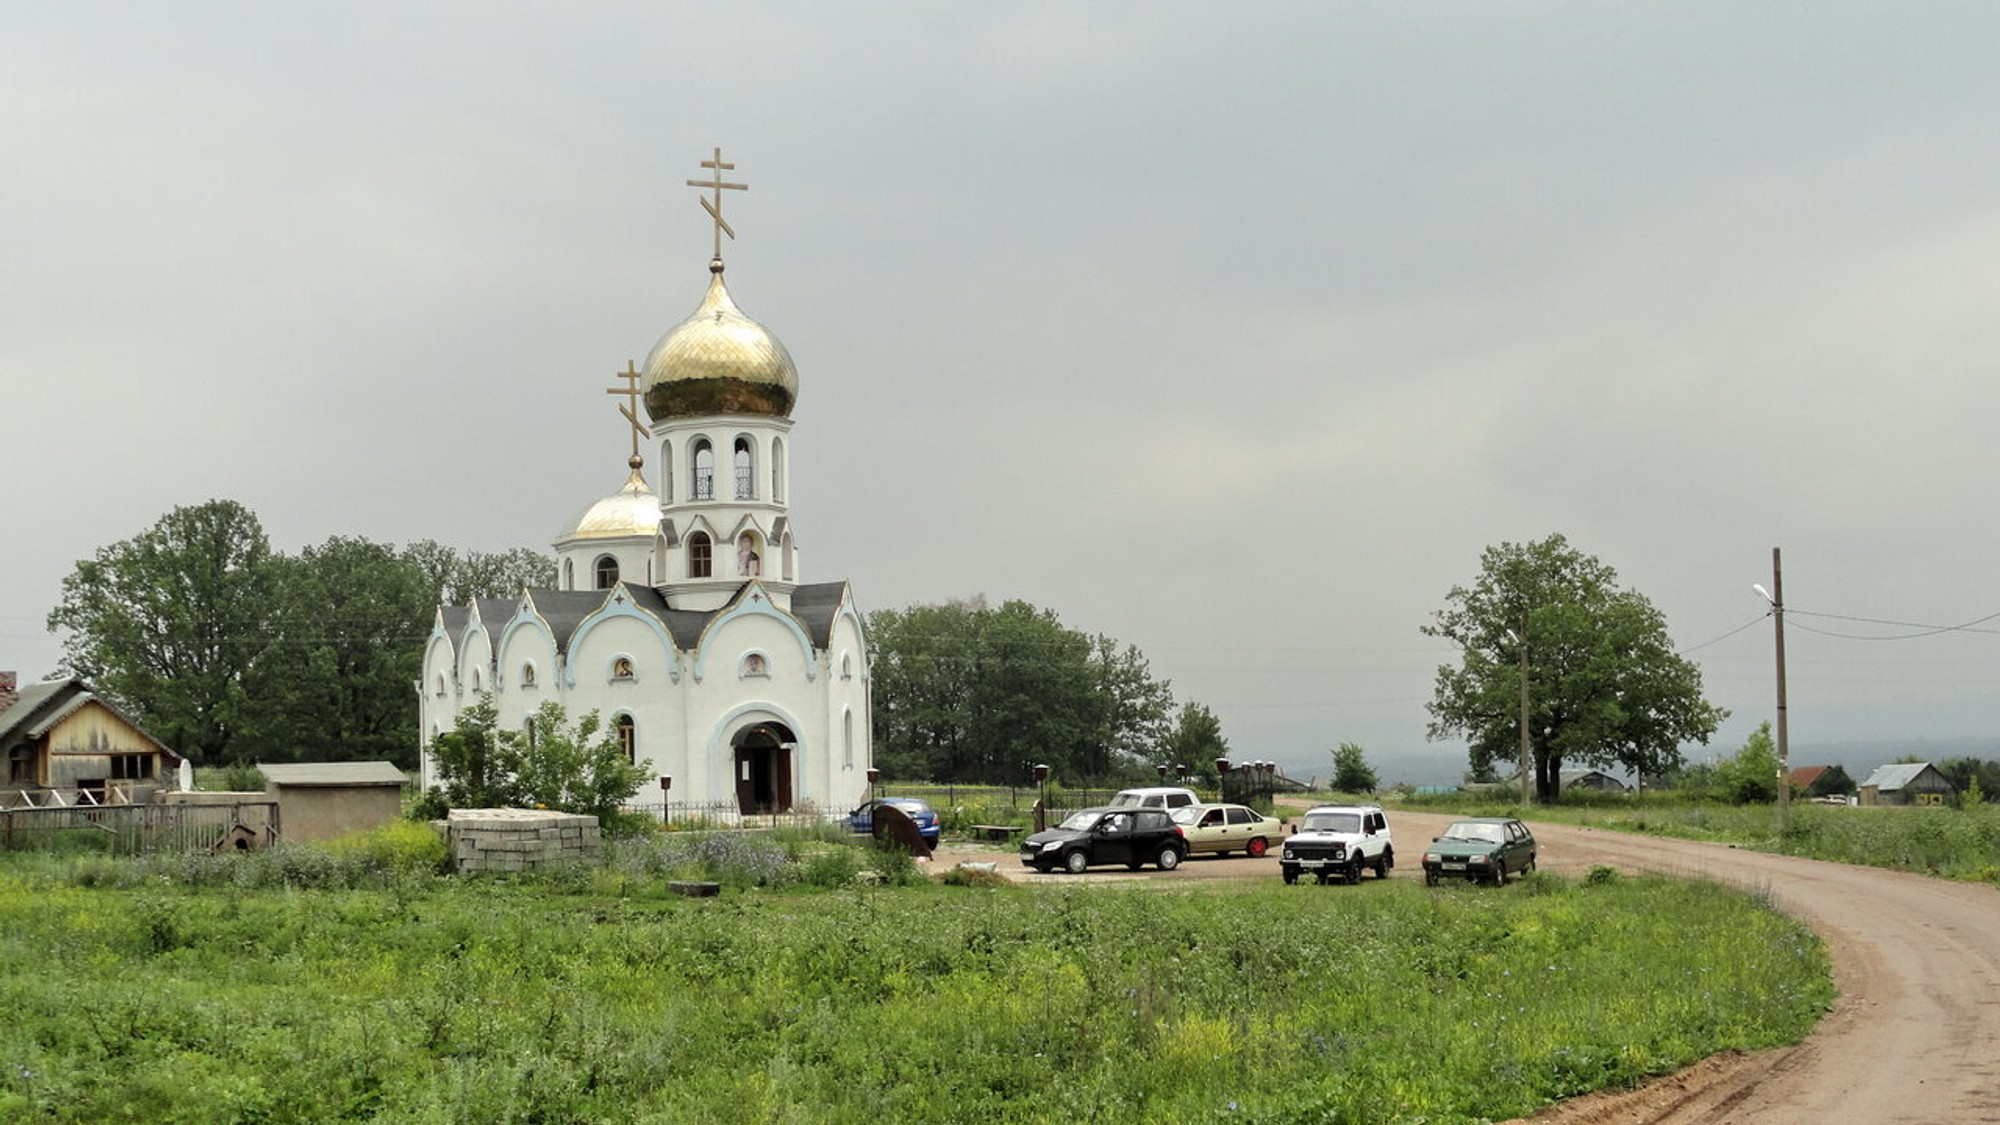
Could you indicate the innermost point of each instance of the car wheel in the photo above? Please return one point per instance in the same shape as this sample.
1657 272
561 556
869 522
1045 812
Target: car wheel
1382 864
1500 873
1258 847
1291 876
1077 862
1169 858
1354 872
1530 866
1430 878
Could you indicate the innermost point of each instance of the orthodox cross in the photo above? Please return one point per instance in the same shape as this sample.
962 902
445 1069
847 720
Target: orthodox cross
630 407
718 186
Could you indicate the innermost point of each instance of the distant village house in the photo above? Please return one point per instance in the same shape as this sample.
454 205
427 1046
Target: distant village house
64 745
1907 783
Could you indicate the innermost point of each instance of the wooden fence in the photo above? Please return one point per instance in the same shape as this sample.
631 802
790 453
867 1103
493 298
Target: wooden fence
131 829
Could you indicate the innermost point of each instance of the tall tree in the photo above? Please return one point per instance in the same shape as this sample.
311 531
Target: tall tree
1351 772
170 624
1605 686
1195 741
459 576
967 692
349 621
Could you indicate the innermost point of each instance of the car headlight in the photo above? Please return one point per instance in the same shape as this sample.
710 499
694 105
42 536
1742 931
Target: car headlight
1052 845
1431 857
1287 854
1482 860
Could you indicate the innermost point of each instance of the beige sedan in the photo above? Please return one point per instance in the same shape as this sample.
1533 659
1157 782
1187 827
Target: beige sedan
1221 829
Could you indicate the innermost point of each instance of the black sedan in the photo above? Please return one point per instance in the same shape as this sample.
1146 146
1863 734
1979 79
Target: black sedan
1131 836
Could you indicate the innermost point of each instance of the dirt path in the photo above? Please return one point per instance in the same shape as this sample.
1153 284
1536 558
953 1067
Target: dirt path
1914 1037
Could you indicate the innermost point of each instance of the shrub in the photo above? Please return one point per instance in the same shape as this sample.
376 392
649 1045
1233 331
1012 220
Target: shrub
1601 876
401 846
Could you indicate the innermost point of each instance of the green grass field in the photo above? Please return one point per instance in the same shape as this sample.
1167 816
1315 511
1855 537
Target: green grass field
1961 843
349 988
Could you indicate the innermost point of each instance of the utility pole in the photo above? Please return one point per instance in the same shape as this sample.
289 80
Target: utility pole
1784 749
1527 751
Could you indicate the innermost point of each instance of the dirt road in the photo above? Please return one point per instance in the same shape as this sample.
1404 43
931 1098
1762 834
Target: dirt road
1914 1037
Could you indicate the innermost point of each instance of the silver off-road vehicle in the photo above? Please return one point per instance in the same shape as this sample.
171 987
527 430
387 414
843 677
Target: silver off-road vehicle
1339 840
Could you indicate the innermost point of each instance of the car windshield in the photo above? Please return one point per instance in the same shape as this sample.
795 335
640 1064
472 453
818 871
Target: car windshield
1082 821
1333 822
1188 814
1476 832
1127 801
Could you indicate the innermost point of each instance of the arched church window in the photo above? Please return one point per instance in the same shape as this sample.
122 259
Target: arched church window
749 563
667 471
440 685
785 570
846 665
621 668
746 471
701 562
628 737
569 574
778 469
704 471
528 730
527 675
847 739
607 572
478 684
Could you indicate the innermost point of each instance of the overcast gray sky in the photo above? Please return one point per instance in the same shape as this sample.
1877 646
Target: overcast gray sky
1233 331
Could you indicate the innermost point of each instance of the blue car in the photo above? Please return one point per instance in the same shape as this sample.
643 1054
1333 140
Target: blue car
861 821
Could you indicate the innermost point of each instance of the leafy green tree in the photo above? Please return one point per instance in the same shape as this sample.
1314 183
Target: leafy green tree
1351 772
459 576
1750 776
349 620
576 767
1195 741
967 692
169 623
1605 685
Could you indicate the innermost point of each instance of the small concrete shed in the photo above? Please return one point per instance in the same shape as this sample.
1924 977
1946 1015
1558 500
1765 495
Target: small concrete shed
321 800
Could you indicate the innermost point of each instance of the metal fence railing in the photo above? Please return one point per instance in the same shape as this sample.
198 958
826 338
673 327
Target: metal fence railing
130 829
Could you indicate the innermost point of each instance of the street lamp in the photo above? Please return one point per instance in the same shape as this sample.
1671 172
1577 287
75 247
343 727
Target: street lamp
1776 597
1527 750
1222 776
874 790
1042 802
666 807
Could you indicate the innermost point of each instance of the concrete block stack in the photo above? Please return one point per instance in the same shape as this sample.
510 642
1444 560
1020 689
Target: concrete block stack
519 839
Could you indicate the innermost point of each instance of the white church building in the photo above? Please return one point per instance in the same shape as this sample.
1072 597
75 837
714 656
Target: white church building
680 615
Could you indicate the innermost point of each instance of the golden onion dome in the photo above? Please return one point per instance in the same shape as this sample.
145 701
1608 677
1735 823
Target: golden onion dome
719 361
632 510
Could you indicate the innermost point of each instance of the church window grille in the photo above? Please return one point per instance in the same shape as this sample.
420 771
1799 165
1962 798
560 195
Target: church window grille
607 572
701 559
746 472
704 471
628 738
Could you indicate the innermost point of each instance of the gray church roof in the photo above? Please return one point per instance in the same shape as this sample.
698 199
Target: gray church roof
564 610
815 606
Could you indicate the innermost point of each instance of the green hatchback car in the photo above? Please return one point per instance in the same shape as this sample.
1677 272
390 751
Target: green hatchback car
1484 848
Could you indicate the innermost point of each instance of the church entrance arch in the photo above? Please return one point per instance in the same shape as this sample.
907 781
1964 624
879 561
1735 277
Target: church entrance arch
763 767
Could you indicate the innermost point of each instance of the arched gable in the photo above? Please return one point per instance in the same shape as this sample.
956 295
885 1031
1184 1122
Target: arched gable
745 715
754 602
617 608
527 641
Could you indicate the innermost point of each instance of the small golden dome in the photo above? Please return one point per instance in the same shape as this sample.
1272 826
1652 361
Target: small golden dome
719 361
632 510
